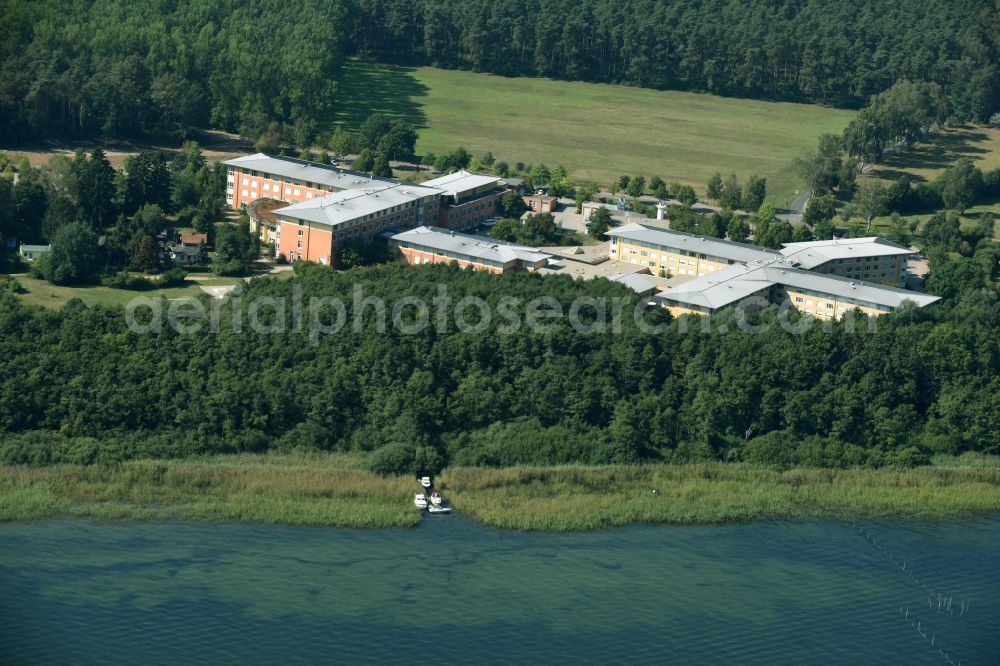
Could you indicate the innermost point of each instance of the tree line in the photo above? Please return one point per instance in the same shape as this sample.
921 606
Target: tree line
269 69
152 69
837 53
77 386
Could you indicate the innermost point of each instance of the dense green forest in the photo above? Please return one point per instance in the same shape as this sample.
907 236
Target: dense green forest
77 386
131 69
153 68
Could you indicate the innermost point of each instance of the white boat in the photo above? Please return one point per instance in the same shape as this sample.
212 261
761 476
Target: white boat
438 509
420 500
425 481
436 498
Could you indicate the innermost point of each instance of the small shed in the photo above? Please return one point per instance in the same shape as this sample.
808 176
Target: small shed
33 252
540 203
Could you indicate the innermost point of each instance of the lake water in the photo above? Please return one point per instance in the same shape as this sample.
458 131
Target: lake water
452 592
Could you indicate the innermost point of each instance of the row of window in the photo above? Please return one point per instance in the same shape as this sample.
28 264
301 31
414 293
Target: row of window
668 251
844 303
858 260
281 179
673 269
277 193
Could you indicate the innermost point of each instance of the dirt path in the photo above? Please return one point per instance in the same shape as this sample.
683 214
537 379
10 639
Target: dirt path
215 146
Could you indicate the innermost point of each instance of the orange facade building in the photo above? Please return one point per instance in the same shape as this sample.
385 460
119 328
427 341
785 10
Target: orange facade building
315 230
468 199
286 179
430 245
331 205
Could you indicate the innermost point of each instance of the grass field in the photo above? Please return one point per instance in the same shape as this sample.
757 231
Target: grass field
596 131
334 490
40 292
925 161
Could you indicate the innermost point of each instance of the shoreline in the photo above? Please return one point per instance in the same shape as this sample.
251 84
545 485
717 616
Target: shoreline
331 490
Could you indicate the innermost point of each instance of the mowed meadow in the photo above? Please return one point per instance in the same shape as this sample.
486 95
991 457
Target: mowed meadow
927 160
597 131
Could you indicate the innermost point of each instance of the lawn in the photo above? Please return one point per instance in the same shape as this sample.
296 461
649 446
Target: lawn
925 161
596 131
40 292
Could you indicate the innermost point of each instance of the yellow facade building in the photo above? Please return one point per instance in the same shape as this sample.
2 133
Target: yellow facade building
680 253
824 279
820 295
870 259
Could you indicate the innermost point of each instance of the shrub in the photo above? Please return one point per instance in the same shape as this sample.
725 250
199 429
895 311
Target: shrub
235 267
775 449
306 436
10 284
76 451
816 451
394 459
123 280
991 183
427 460
175 277
908 457
30 448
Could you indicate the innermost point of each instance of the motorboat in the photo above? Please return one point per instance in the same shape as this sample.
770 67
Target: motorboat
432 502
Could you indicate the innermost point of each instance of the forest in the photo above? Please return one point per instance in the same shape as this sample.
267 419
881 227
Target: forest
76 385
147 68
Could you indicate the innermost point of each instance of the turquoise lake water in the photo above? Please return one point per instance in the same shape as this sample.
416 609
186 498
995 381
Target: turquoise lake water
452 592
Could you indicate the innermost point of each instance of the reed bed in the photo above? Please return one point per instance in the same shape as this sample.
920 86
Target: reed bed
582 498
269 490
333 490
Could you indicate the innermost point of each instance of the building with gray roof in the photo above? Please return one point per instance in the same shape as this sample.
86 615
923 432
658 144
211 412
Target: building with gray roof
468 199
813 254
288 179
874 259
716 251
818 294
429 245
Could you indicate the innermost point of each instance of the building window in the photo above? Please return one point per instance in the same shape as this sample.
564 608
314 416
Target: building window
301 232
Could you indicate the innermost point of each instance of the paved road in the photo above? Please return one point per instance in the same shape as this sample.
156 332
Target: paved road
799 205
797 209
